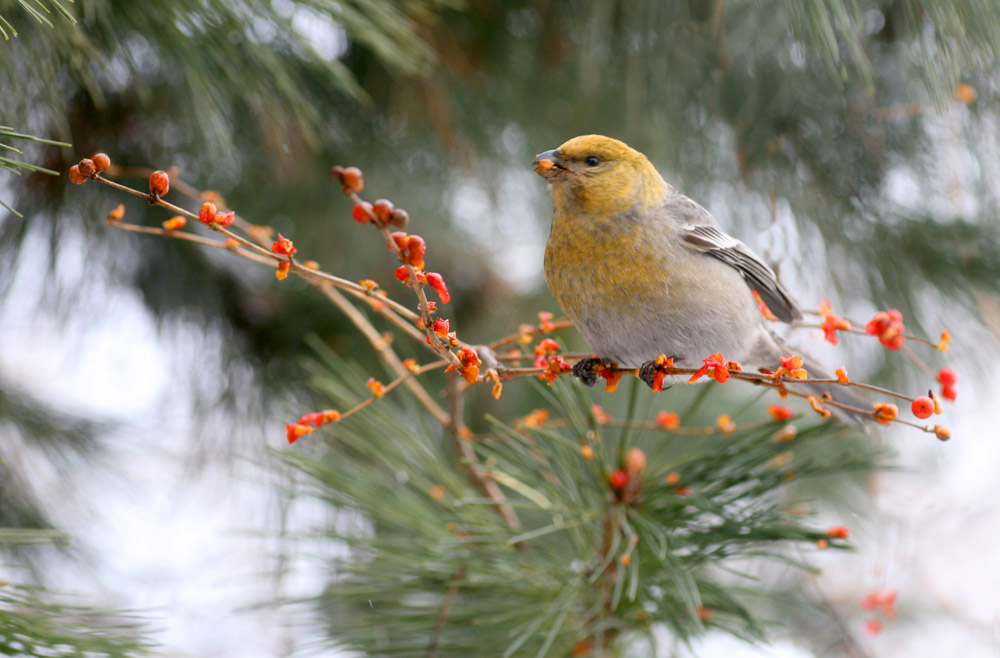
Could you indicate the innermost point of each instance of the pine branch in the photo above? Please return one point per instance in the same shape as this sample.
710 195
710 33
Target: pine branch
16 166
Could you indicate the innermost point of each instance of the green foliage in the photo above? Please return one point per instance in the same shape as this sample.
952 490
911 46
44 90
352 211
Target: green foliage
419 570
213 60
35 622
35 10
17 166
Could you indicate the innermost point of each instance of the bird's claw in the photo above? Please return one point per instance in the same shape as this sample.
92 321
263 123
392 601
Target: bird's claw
647 373
586 369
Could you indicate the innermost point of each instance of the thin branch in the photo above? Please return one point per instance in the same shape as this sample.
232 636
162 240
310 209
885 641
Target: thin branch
449 600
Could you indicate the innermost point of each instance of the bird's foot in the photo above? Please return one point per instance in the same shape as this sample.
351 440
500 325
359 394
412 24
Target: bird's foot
586 369
653 372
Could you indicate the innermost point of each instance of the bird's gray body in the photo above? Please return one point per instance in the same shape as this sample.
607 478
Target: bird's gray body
697 304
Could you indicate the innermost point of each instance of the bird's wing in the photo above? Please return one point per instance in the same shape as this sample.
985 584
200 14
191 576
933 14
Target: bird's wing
761 278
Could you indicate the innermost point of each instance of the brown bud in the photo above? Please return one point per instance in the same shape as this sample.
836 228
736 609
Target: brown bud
351 178
75 176
635 461
399 218
101 161
87 167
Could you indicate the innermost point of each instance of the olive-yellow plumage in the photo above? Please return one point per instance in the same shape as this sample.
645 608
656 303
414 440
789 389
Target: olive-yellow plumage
643 270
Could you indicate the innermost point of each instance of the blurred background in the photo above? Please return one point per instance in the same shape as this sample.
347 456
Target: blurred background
144 383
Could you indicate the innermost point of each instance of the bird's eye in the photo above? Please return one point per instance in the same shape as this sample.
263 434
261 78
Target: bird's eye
592 161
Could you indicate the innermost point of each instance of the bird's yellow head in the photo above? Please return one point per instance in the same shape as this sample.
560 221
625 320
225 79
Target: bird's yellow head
599 177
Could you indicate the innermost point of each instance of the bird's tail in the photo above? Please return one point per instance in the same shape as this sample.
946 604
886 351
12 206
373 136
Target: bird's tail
772 346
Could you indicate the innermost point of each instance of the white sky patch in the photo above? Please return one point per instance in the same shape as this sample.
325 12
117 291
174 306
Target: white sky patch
505 215
325 35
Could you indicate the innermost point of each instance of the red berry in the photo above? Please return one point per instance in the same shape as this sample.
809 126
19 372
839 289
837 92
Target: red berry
382 209
923 407
283 246
225 218
87 167
207 213
947 377
437 282
618 479
159 183
362 212
75 176
949 393
442 327
416 248
101 161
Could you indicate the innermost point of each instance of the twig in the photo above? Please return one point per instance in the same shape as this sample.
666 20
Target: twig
385 351
449 600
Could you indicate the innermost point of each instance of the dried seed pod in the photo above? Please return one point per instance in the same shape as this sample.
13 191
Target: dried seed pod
87 167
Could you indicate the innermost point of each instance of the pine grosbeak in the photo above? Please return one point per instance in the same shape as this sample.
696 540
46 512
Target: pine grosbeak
643 270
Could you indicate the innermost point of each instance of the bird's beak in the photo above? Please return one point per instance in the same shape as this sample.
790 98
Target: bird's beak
549 163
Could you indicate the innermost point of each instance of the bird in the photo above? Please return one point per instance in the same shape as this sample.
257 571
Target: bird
643 270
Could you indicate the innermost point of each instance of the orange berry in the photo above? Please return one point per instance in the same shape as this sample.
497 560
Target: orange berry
174 223
673 477
923 407
668 420
101 161
618 479
351 178
780 412
838 532
587 452
626 559
937 402
437 492
87 167
725 424
225 218
382 209
966 93
442 327
886 412
282 272
821 544
75 176
117 214
159 183
942 432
